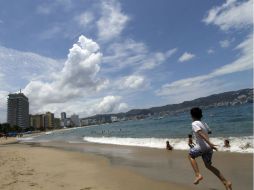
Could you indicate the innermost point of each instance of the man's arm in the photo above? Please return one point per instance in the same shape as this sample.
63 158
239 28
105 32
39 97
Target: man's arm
203 136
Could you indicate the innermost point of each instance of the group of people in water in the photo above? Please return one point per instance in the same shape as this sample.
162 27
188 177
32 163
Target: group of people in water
192 144
203 147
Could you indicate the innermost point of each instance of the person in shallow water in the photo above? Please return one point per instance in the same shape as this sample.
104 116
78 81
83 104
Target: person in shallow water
203 148
226 143
168 146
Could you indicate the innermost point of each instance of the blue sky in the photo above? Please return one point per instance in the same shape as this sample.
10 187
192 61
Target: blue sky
91 56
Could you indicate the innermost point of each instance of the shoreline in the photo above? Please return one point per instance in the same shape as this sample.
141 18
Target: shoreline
241 144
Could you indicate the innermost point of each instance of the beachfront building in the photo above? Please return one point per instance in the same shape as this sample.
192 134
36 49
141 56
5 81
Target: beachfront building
114 119
63 119
18 110
37 121
68 122
44 121
88 121
75 120
57 123
84 122
63 115
49 120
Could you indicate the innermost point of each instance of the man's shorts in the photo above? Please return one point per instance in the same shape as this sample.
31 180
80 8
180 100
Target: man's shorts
206 155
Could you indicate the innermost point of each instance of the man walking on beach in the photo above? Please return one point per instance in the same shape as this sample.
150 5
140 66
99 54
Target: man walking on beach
203 148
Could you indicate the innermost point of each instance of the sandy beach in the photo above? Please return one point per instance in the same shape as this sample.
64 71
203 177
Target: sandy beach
9 140
54 166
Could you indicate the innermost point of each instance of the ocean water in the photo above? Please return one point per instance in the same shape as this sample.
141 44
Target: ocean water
233 123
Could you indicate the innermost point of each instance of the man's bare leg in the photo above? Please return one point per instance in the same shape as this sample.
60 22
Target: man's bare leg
194 165
216 172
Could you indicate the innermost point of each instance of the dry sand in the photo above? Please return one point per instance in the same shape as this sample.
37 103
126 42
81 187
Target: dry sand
9 140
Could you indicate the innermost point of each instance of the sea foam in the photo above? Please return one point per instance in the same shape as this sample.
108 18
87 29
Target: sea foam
238 144
30 139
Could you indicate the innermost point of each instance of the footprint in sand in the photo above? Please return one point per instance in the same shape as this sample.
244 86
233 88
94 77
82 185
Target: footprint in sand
86 188
33 184
25 173
10 183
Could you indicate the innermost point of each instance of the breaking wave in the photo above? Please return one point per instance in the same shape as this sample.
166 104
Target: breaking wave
238 144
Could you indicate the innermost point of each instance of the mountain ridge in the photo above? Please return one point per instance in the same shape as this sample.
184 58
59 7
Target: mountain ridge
230 98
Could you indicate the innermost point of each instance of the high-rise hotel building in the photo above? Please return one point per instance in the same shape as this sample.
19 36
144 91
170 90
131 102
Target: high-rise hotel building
18 110
63 119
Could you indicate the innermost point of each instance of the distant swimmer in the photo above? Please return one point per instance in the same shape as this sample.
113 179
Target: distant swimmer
203 148
168 146
226 143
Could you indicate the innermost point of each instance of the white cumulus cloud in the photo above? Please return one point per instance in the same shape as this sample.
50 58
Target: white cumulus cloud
186 56
110 104
87 107
74 85
122 107
77 78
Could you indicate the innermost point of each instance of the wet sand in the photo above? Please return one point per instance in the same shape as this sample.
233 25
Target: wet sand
92 166
171 166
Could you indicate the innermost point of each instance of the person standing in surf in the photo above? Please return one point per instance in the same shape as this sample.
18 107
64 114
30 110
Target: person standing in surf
204 148
168 146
